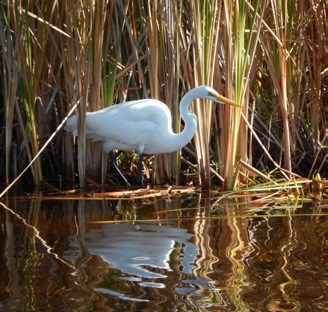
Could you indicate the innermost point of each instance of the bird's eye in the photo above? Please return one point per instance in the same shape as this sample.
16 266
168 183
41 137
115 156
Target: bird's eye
212 94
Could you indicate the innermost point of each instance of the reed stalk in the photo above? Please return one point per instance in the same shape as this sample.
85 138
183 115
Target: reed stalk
205 23
241 46
269 56
10 83
198 51
29 70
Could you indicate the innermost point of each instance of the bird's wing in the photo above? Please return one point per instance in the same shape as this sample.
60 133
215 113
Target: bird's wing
128 125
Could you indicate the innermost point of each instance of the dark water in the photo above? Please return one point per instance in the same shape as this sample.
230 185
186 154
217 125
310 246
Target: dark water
189 253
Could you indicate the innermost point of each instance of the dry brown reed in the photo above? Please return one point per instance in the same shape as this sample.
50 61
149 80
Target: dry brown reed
268 56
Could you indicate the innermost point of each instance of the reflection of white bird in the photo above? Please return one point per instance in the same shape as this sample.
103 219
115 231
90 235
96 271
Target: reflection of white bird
144 125
140 253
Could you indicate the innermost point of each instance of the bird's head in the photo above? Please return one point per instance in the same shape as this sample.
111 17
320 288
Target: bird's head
212 95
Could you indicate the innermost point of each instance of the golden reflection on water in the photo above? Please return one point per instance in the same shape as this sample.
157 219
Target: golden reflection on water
173 254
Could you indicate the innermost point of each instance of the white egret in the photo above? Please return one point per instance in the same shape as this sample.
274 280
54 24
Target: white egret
144 125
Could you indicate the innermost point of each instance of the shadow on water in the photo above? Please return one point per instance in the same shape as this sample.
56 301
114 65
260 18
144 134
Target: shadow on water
190 253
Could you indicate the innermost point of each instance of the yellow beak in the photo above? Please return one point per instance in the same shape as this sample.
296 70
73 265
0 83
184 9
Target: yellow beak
223 99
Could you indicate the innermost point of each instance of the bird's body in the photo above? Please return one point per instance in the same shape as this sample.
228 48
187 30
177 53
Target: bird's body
144 125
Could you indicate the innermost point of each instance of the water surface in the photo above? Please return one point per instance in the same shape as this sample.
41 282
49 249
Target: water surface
186 253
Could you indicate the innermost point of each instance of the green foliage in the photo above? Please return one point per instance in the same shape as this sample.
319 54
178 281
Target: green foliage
265 55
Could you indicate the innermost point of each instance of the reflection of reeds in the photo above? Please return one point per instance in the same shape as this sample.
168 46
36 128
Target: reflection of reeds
268 56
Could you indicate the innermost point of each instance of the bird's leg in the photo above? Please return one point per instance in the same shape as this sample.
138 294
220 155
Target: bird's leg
140 175
104 161
117 171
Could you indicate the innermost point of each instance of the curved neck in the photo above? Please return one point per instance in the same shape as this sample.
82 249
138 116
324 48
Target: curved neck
190 121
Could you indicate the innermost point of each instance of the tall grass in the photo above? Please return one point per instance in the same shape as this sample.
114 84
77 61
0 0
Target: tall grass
268 56
9 88
243 21
204 35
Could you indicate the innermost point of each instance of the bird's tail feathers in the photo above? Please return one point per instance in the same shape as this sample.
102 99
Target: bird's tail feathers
71 125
